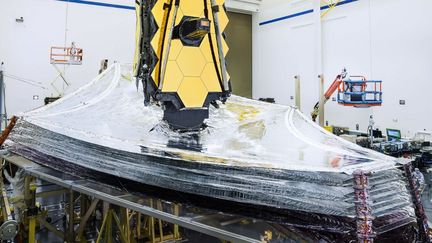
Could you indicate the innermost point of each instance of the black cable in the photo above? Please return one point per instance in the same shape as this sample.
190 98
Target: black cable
32 83
163 40
26 79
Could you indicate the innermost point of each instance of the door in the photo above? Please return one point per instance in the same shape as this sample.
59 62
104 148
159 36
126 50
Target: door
239 58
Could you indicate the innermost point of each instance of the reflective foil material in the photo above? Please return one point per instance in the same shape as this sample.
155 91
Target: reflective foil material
251 152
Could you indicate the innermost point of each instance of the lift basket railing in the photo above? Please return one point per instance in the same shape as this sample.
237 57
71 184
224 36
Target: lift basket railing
66 55
360 93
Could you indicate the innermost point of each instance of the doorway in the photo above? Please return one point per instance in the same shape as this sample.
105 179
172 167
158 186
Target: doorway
239 58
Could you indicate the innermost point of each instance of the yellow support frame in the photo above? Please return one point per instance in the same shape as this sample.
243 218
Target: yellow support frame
30 200
153 228
32 229
106 228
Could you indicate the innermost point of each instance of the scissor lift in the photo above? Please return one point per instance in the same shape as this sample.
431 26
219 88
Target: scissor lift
65 56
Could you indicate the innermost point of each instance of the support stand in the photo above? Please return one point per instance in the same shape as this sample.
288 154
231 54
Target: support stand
297 92
64 56
60 74
3 115
321 101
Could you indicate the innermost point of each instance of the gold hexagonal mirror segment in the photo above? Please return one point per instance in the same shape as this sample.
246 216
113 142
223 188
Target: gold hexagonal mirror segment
175 77
192 92
191 61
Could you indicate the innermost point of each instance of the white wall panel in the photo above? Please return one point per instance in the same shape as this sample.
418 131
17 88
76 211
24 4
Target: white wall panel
385 39
103 32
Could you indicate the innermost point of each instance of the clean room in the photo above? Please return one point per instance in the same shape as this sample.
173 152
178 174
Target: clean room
215 121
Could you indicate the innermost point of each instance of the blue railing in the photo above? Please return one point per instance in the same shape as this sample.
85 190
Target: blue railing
360 93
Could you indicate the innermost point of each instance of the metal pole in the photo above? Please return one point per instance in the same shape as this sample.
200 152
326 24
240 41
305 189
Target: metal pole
1 95
215 10
138 226
85 218
159 207
319 57
61 74
70 234
318 36
297 92
167 52
321 100
108 223
31 213
152 226
176 227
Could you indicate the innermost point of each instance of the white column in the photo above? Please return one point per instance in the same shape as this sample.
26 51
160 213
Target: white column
318 57
318 35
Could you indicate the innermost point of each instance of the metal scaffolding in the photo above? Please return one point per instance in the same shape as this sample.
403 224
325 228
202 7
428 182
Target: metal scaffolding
119 208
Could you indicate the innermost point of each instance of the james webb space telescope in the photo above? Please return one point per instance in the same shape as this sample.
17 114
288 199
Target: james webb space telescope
180 58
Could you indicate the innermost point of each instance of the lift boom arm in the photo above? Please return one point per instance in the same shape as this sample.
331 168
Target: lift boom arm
330 91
